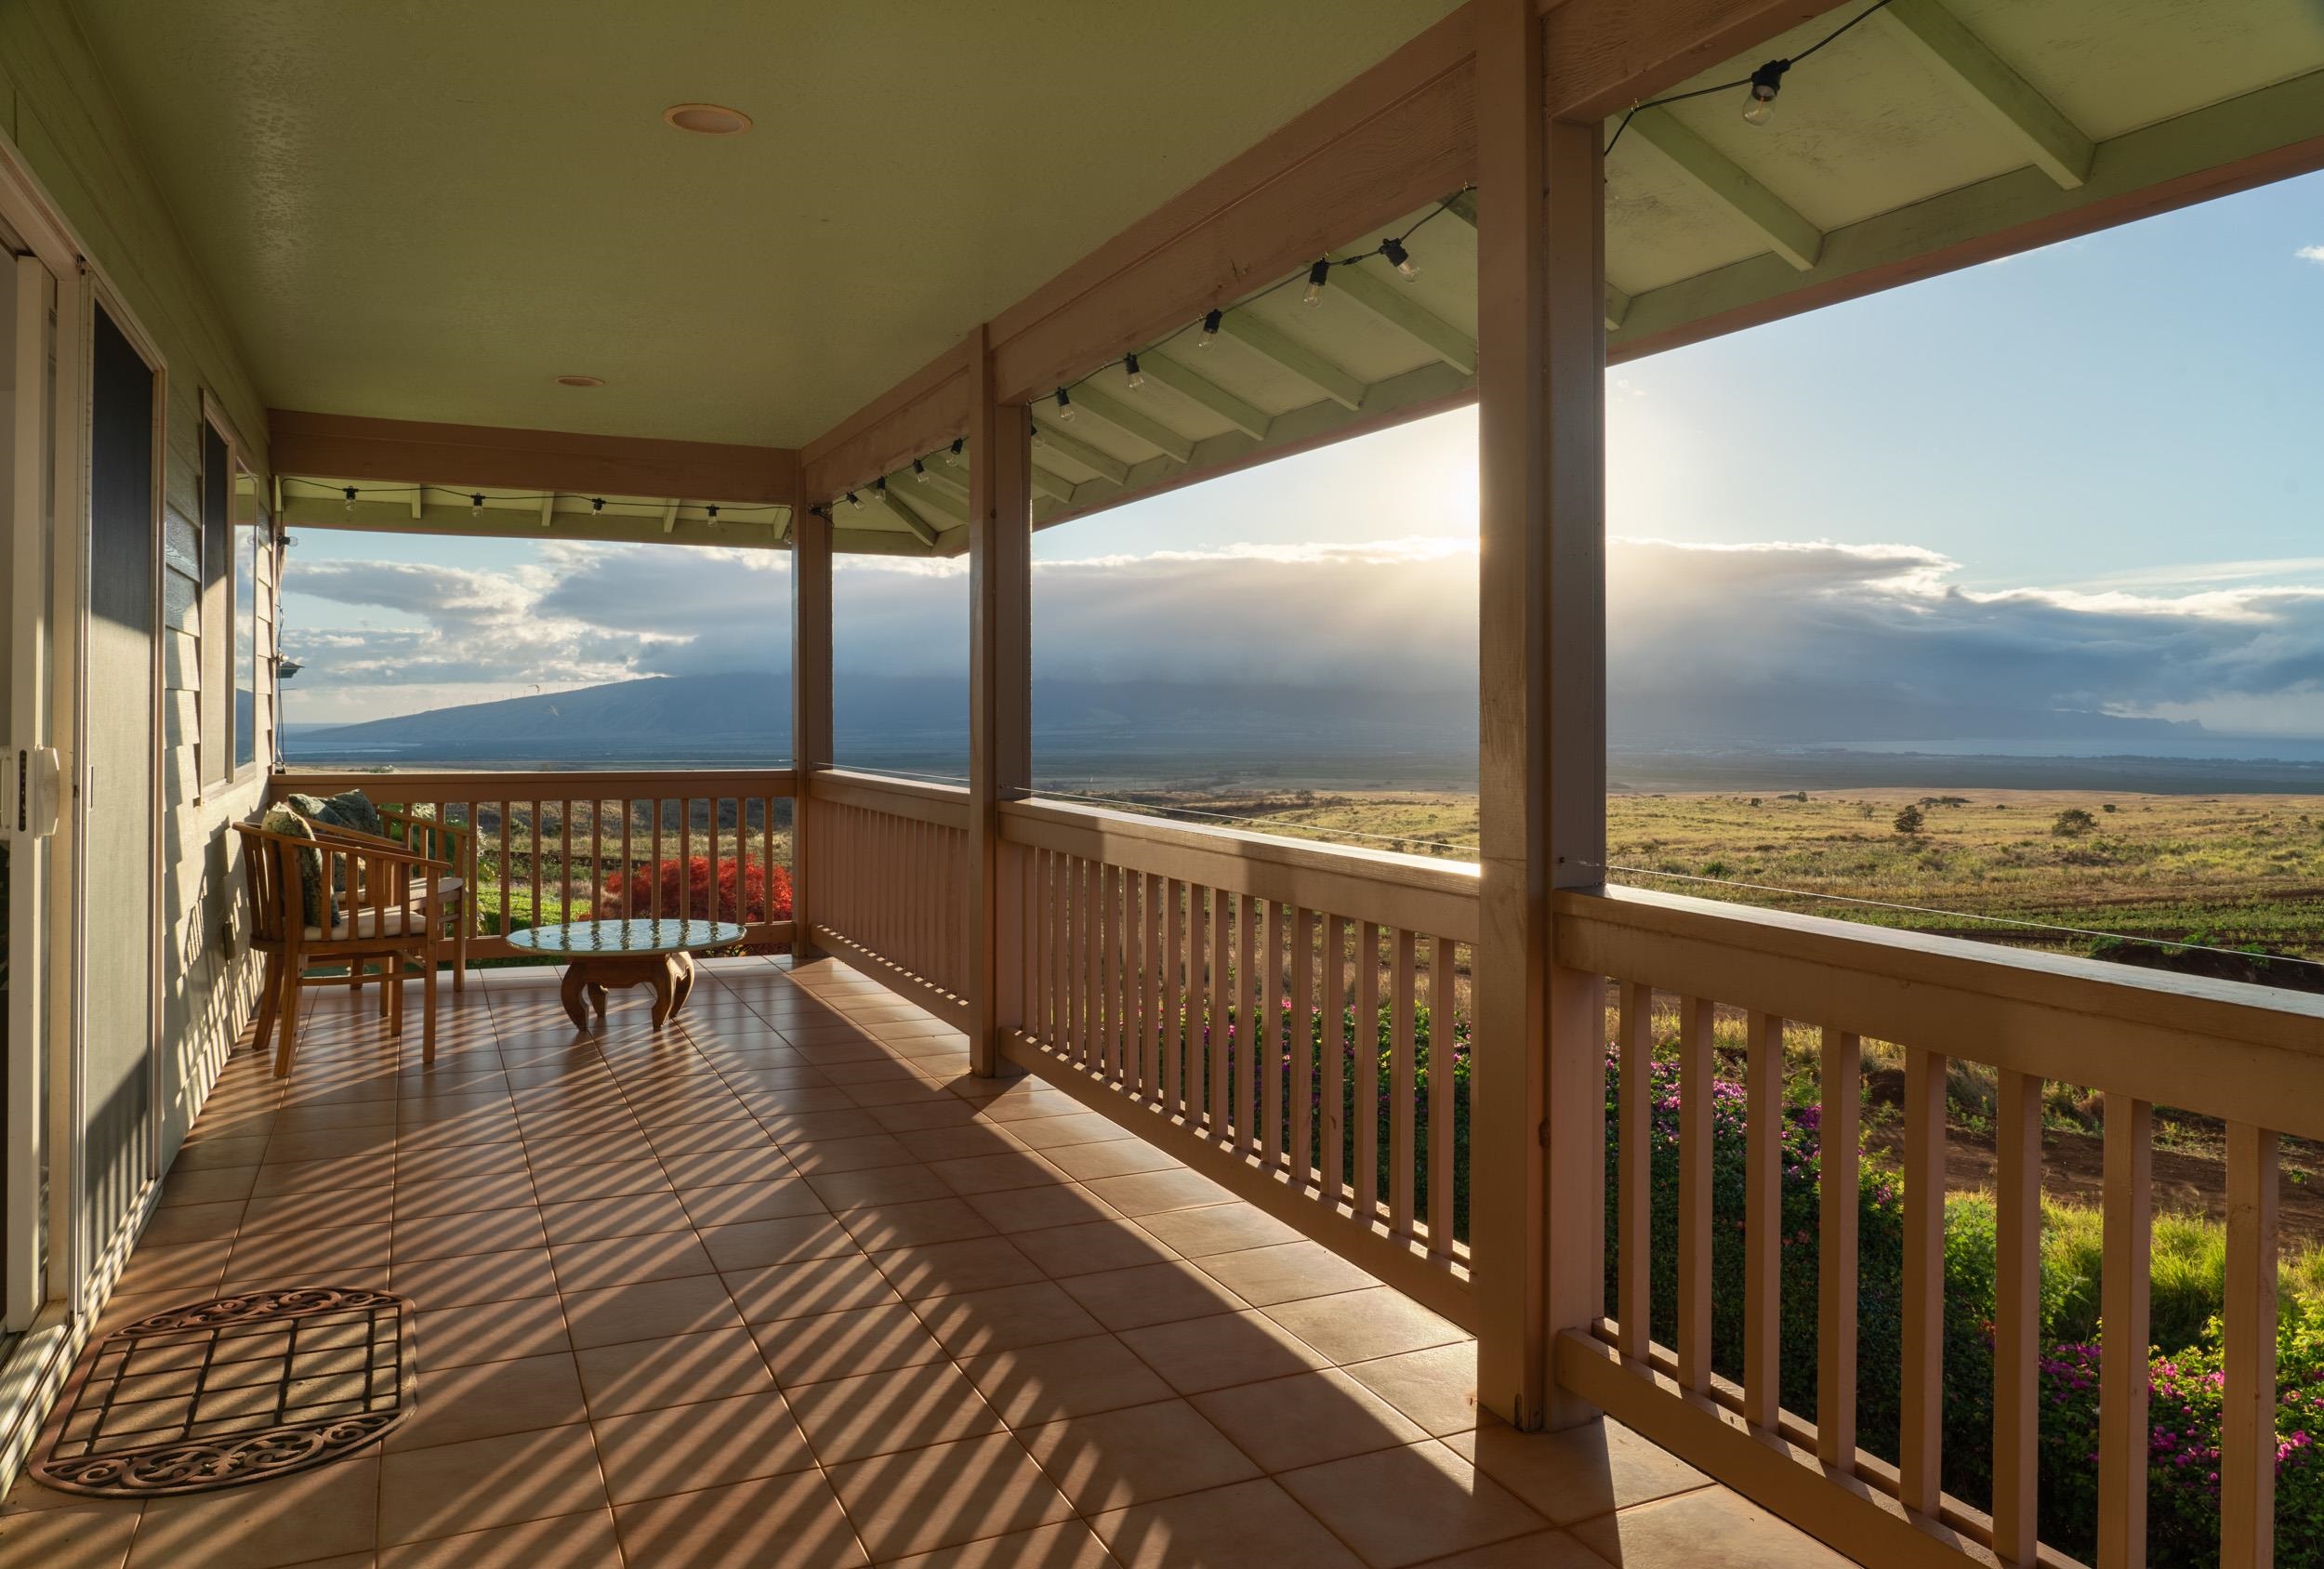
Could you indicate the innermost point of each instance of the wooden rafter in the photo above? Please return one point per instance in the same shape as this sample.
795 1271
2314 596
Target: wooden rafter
1197 388
745 527
896 507
1137 422
1617 307
670 516
548 509
1266 338
1081 452
1053 485
1735 188
1387 300
936 494
468 457
2055 144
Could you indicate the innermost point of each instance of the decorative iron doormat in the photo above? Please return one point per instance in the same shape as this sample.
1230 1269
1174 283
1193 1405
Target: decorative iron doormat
234 1390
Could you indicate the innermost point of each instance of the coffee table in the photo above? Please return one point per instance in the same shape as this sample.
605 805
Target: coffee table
599 954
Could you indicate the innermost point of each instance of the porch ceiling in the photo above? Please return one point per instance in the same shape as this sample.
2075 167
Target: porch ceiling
430 210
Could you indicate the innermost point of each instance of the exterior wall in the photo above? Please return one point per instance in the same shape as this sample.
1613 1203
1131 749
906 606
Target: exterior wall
63 120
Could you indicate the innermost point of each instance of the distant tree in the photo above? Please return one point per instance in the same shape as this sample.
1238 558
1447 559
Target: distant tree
1755 801
1909 821
2073 822
2109 807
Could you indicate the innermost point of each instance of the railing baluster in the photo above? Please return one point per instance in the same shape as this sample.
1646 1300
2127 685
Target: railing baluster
1077 957
1403 1090
1921 1436
564 861
1331 1138
1695 1118
2247 1466
1267 1035
1634 1196
597 851
628 810
655 881
1178 957
1243 1061
2126 1253
1365 1047
1443 1093
1113 913
1762 1219
507 872
1302 1041
1838 1139
1219 949
2017 1316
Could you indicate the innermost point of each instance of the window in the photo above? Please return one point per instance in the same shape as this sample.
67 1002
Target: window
249 530
216 683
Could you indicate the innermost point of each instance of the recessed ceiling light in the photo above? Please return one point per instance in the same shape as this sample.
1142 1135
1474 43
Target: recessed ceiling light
707 119
580 381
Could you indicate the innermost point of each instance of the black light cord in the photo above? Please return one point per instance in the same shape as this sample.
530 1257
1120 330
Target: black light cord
1777 66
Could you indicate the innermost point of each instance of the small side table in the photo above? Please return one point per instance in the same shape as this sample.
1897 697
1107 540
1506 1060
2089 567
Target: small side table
603 955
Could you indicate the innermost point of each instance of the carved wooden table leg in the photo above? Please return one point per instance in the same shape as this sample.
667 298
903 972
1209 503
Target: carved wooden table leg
588 978
571 995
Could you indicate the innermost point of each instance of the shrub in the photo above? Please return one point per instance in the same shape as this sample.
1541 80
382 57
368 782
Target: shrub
2073 822
732 890
1909 820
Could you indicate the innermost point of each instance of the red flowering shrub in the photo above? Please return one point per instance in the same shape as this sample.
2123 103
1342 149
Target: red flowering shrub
699 888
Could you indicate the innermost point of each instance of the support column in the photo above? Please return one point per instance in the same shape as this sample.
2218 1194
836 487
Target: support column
1538 1151
1000 693
810 706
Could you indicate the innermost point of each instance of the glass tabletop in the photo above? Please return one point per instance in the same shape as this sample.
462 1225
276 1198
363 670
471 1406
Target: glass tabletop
625 937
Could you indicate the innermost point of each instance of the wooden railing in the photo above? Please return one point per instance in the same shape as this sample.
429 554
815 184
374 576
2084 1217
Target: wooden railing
1278 1010
2250 1057
550 847
888 864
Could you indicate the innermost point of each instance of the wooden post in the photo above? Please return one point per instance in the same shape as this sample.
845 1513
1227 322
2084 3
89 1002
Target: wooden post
1539 1151
811 708
1000 693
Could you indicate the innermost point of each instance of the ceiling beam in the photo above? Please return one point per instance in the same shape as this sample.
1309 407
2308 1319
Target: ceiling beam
2056 146
2272 134
919 414
903 514
469 457
420 499
1389 301
670 516
1137 422
1617 307
548 509
936 496
1729 183
1081 452
1052 485
1272 341
455 521
1201 390
1599 56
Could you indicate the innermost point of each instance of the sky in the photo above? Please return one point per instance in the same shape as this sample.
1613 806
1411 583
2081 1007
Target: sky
2088 477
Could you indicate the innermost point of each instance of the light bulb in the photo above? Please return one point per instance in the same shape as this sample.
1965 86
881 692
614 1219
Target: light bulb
714 517
855 501
1316 276
1209 329
1399 258
952 459
1136 376
1766 81
475 505
597 504
920 472
1064 407
350 505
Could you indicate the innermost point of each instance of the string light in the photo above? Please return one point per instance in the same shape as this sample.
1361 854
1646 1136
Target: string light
1210 321
597 504
476 505
350 500
1315 277
714 515
855 501
1764 83
920 472
1064 407
1136 376
1399 258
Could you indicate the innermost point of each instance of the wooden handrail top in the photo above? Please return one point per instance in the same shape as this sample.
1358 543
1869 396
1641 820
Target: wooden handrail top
490 785
943 805
2223 1048
1410 891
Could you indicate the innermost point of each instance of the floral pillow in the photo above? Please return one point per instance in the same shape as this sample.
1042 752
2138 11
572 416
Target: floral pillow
320 910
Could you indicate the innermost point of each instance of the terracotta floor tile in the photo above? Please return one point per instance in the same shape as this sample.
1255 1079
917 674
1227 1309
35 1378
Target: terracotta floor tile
1578 1472
1217 1228
572 1184
213 1154
83 1534
478 1400
674 1370
569 1541
878 1413
1401 1506
1029 1101
1053 1132
1543 1550
328 1143
681 1448
476 1277
1035 1208
461 1195
649 1310
820 1152
296 1252
972 1142
455 1489
1117 1157
1360 1325
1436 1388
1069 1544
786 1241
739 1132
1283 1272
942 1269
957 1492
1060 1378
790 1522
491 1332
974 1323
1150 1294
586 1149
588 1219
1091 1247
188 1269
877 1185
1194 1354
1111 1460
450 1237
1306 1419
1249 1525
1155 1192
1709 1529
465 1160
312 1514
904 1225
208 1187
825 1346
728 1168
208 1222
620 1260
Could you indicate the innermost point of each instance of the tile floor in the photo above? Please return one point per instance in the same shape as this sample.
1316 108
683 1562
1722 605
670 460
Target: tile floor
785 1287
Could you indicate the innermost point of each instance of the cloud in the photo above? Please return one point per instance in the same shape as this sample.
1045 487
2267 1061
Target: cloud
1769 642
2311 253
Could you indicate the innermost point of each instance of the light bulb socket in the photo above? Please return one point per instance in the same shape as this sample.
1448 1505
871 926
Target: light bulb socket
1136 376
1316 276
1767 81
714 514
855 501
597 504
920 472
1210 328
1399 258
1064 406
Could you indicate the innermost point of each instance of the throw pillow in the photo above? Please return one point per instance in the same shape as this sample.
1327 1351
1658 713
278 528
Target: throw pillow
317 910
